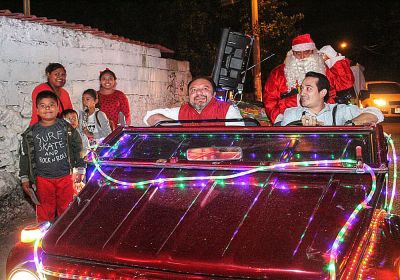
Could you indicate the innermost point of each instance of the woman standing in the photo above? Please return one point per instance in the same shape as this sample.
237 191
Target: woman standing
56 78
112 101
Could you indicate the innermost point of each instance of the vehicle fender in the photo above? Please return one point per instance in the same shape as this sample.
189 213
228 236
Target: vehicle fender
20 256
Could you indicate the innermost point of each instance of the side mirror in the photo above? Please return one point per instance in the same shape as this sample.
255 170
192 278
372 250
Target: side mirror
364 94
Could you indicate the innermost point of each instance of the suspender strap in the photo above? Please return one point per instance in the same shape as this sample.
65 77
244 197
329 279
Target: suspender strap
334 114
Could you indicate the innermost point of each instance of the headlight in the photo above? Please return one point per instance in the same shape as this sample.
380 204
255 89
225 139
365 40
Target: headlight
380 102
23 274
31 233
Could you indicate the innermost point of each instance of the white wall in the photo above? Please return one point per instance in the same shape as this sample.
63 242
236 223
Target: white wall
27 47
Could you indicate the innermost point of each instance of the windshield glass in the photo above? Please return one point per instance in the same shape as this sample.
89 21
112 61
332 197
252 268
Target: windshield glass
384 88
256 148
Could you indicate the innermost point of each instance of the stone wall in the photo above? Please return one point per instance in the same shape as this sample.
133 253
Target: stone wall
27 47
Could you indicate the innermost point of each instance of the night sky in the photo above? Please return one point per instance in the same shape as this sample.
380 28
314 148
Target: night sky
371 29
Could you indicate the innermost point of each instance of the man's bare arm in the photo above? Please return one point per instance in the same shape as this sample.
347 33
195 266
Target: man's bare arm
153 119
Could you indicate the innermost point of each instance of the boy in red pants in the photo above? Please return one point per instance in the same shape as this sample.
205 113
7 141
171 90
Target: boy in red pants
51 149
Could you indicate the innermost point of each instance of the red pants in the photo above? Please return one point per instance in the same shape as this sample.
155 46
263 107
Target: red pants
55 195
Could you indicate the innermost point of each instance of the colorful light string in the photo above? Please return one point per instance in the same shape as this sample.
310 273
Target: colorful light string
394 157
342 232
272 167
279 166
340 237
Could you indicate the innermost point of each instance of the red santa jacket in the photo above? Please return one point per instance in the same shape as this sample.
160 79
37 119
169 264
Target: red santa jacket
275 86
344 78
215 109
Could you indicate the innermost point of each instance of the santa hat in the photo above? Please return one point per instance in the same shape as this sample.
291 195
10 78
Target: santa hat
328 51
303 43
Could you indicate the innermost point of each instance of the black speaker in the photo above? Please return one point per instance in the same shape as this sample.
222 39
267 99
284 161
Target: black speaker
233 56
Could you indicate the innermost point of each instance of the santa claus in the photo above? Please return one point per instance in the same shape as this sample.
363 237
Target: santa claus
283 84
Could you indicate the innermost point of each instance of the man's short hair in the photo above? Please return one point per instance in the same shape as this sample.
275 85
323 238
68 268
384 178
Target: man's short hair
214 86
46 94
322 83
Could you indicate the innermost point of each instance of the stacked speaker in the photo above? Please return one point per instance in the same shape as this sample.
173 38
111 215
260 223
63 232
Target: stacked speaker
233 56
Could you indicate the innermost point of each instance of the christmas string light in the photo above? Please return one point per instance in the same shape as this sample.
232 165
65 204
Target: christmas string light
377 219
219 179
277 166
370 236
394 157
340 237
38 245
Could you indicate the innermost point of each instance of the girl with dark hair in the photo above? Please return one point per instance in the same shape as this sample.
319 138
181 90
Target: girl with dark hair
112 101
56 78
93 122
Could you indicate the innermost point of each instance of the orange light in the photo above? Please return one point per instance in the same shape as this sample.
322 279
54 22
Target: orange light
343 45
31 233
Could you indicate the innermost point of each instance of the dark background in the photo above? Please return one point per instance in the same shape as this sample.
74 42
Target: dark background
192 27
370 27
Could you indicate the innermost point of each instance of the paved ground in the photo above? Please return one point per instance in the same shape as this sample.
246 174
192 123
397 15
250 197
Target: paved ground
9 235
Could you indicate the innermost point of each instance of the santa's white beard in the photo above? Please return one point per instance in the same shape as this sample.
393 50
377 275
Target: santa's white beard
296 69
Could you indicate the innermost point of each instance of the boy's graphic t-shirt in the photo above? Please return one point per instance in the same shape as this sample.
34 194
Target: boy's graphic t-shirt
51 150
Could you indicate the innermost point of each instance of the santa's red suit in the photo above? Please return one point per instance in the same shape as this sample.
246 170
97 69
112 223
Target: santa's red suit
340 68
215 109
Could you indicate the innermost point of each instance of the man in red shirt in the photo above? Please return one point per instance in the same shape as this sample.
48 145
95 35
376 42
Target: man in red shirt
202 105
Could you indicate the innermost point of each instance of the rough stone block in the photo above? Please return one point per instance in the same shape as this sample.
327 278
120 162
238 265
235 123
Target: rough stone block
153 62
131 72
111 57
143 87
183 66
162 64
4 90
161 75
5 70
153 52
143 74
172 65
31 71
81 72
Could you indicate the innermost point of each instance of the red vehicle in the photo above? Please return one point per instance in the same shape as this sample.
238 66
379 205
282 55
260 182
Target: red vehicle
225 203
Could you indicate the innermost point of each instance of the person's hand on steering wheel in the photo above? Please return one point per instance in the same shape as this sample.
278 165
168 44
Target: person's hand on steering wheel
310 121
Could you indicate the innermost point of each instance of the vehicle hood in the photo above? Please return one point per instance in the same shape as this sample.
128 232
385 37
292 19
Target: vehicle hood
255 225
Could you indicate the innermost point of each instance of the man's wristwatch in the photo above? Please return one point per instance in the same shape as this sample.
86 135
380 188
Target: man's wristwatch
350 122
